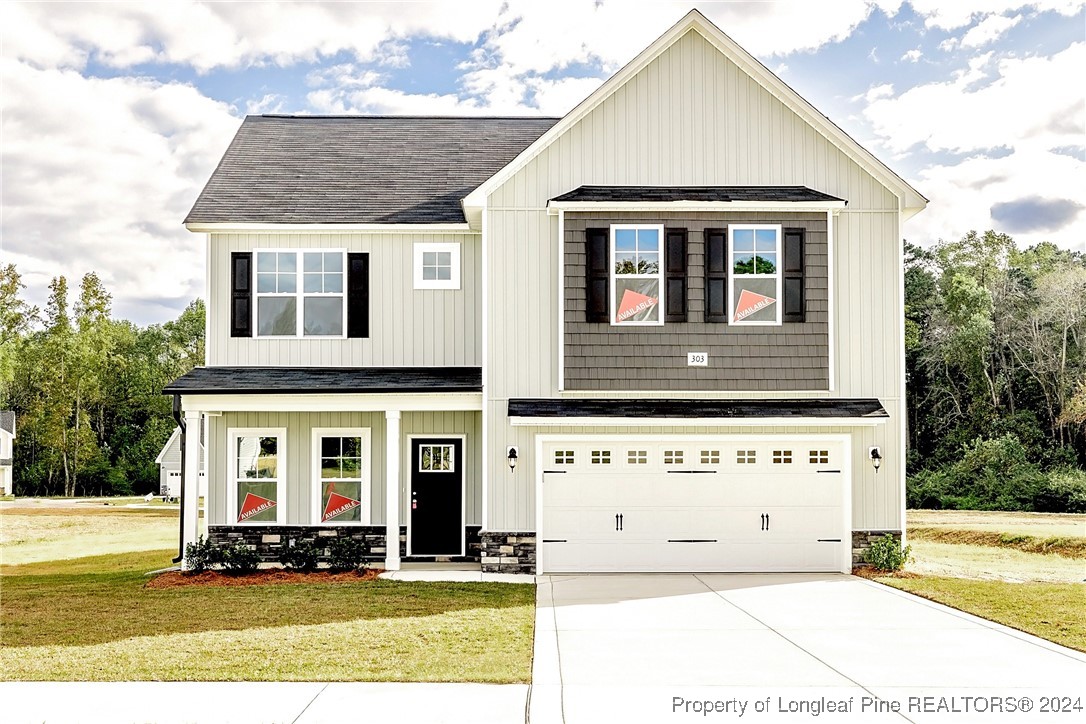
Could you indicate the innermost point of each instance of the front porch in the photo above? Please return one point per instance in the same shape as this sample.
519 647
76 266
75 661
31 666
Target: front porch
303 456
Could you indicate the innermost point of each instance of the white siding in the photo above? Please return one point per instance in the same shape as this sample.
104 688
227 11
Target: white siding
691 117
408 327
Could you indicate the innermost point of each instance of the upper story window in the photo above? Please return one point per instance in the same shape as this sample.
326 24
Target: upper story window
300 293
437 266
636 275
754 252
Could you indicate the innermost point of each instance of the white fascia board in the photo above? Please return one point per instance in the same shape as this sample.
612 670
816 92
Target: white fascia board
694 20
697 421
348 402
835 207
238 228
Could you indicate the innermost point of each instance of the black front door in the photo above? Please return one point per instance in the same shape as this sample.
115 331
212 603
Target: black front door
437 474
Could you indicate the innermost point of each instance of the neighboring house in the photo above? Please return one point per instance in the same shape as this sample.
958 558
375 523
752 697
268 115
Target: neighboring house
661 333
7 450
169 466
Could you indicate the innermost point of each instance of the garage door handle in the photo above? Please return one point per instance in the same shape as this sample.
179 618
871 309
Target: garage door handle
828 471
692 540
618 521
829 540
765 521
555 472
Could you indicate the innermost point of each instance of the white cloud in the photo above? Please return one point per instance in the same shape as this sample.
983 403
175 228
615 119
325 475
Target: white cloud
989 29
913 55
1026 104
956 14
102 181
269 103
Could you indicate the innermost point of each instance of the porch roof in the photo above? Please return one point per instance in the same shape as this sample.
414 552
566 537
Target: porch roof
325 380
671 194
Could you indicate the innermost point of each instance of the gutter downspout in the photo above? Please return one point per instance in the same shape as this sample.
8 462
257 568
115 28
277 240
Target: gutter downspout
180 419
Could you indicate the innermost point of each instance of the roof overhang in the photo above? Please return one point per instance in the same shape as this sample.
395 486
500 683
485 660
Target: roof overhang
325 381
344 402
620 206
911 201
269 228
649 412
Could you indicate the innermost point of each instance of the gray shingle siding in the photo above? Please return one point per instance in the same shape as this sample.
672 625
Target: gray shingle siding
358 169
792 357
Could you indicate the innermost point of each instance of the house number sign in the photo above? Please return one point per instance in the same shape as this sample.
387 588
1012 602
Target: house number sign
697 359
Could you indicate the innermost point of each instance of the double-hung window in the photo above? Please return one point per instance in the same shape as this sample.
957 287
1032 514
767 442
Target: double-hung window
257 467
754 293
636 275
300 293
341 480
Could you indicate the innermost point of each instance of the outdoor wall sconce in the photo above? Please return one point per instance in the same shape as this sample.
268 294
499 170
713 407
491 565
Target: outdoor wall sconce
876 458
512 458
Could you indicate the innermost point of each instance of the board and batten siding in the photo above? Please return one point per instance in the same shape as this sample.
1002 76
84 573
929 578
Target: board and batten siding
408 326
601 356
691 117
299 464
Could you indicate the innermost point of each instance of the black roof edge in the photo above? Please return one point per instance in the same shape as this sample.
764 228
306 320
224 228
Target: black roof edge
858 408
363 116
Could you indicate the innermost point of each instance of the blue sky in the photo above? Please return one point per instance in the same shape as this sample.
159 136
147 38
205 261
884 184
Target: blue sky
115 114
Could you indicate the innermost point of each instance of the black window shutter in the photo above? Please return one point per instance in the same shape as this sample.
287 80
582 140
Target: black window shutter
795 306
241 294
675 274
716 275
358 295
597 302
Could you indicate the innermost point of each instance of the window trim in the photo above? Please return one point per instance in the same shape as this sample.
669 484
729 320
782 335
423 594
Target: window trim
315 480
299 293
660 276
233 434
733 277
453 282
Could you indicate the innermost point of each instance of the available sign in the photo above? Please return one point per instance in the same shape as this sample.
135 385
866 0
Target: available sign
254 505
634 303
338 505
751 302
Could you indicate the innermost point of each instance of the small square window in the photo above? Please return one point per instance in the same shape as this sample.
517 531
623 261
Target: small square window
437 459
746 457
710 457
601 457
637 457
437 266
819 457
563 457
673 457
782 457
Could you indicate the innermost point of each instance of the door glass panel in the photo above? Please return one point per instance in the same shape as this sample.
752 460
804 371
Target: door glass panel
436 459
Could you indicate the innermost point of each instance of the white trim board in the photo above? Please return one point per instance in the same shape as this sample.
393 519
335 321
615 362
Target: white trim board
911 200
697 421
272 228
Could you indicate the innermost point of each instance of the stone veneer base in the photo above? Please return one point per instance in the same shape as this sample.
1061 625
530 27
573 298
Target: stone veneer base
269 540
862 540
507 551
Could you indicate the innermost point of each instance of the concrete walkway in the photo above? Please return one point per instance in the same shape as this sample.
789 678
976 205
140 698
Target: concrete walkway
653 648
255 703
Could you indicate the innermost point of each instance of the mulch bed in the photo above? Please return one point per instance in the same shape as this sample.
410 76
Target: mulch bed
175 579
872 573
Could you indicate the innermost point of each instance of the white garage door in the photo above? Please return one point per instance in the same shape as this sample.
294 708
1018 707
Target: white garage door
695 505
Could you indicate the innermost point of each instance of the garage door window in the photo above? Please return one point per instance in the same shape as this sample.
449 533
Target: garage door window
673 457
601 457
637 457
746 457
710 457
563 457
820 457
782 457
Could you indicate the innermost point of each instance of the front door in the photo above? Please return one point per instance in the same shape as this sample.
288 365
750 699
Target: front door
437 490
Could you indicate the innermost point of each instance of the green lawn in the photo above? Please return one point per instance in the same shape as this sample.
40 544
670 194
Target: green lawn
92 619
1053 611
33 534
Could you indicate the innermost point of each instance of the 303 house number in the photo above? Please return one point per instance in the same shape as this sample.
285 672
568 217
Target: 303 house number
697 359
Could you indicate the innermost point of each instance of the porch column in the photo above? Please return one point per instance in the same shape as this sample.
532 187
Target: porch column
191 481
392 490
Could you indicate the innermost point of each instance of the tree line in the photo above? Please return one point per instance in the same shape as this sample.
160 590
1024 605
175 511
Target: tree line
87 388
995 344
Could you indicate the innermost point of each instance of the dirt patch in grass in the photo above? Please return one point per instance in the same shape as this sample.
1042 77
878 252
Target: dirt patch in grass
176 579
873 574
1066 546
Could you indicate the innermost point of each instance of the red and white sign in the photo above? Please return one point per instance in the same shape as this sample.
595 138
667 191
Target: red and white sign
633 303
254 505
749 303
338 505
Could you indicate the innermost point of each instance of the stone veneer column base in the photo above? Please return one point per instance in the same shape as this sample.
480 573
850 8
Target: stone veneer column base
507 551
862 540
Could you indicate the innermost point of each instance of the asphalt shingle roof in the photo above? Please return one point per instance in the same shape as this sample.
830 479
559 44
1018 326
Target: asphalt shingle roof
671 408
324 380
7 420
694 193
358 169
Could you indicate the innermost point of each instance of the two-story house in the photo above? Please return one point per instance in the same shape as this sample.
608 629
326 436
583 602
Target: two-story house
661 333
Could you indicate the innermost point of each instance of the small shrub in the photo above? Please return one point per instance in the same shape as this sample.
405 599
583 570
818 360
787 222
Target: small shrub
347 554
201 555
886 554
1064 491
239 558
302 556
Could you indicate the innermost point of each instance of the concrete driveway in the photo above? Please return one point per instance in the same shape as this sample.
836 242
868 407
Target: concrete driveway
781 647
